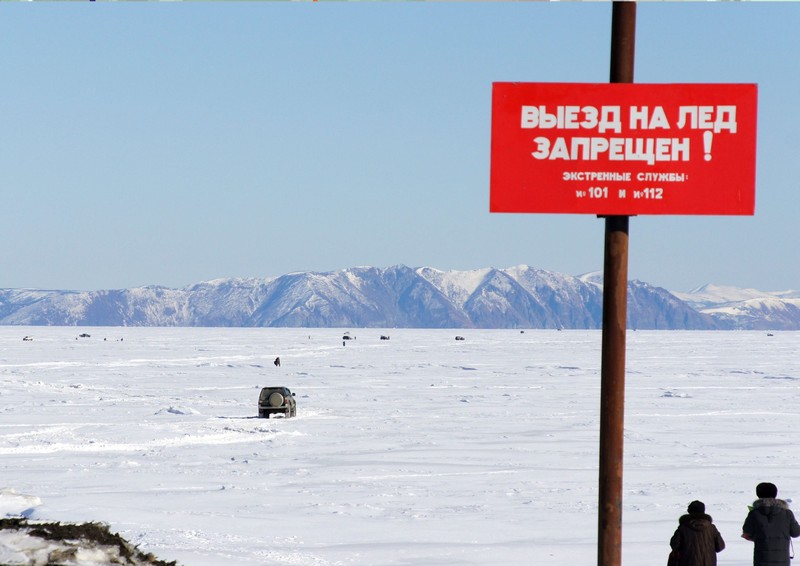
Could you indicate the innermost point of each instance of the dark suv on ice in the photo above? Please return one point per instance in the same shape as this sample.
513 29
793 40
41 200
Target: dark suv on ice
276 400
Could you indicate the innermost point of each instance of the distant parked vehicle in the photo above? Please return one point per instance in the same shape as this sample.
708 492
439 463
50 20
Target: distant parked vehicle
276 400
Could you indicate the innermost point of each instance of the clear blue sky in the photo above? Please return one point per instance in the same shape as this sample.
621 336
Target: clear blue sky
171 143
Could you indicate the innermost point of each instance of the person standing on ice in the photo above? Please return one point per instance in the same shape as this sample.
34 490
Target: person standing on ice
771 525
696 541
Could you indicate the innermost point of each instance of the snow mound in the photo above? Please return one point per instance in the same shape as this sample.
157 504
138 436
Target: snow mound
674 394
14 504
178 411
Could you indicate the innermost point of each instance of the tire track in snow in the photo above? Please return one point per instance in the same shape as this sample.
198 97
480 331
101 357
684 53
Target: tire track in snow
229 436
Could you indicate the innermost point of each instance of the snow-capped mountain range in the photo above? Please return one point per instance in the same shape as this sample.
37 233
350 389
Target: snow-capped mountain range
751 309
401 296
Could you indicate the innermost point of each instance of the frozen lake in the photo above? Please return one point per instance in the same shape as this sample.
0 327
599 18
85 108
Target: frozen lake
420 450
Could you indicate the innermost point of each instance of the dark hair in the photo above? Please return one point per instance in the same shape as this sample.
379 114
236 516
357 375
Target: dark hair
696 507
766 490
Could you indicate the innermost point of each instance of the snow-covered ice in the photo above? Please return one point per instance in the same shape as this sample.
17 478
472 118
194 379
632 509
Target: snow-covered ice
418 450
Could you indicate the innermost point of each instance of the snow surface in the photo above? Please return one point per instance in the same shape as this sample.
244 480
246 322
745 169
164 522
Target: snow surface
418 450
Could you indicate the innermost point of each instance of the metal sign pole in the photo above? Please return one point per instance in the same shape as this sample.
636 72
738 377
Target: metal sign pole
615 295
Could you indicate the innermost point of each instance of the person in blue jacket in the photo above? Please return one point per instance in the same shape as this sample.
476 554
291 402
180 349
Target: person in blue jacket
771 525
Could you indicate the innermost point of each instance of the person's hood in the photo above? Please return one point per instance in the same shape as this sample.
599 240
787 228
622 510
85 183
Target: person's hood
696 521
769 506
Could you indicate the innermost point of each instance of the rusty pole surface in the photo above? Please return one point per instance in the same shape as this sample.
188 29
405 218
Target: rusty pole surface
615 307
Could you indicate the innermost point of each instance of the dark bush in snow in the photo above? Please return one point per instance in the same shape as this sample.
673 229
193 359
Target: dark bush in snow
31 543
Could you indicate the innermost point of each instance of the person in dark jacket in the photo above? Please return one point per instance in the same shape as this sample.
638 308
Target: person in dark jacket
696 541
771 525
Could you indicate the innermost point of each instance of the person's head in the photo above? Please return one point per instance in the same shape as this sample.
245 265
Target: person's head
766 490
696 507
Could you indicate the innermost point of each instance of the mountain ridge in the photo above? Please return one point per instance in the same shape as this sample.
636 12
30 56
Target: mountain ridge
400 296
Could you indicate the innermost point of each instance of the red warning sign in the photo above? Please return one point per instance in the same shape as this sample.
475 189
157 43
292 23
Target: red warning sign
623 149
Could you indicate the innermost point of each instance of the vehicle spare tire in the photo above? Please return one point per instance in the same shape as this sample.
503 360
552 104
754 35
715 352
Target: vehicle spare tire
276 400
